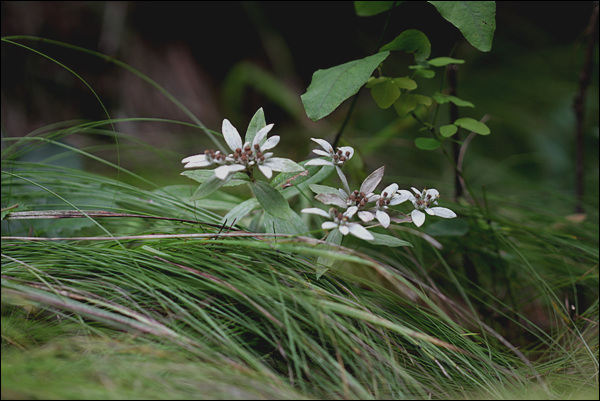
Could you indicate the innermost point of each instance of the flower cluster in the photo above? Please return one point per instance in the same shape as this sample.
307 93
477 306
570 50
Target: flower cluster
363 202
341 221
423 201
245 155
350 210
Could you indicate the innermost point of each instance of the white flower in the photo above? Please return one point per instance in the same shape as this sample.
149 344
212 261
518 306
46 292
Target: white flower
344 198
245 155
341 221
332 158
209 158
423 201
389 197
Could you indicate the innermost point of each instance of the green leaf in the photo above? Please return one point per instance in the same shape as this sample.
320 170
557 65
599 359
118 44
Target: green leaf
444 61
427 143
239 211
388 240
448 130
279 218
315 173
370 8
256 123
329 88
422 99
385 94
276 225
405 104
324 263
471 124
405 83
323 189
442 98
475 19
371 82
270 199
208 187
203 175
411 41
448 227
423 73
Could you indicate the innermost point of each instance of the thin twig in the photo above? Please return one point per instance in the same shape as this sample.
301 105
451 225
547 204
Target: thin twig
148 236
73 214
585 77
461 154
354 100
451 73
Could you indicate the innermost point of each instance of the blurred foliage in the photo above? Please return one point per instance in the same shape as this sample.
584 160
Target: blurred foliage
517 261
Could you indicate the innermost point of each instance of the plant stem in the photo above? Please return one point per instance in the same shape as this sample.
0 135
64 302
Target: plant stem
452 83
351 109
579 107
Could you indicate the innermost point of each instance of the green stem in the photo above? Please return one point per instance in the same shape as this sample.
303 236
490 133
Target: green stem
351 109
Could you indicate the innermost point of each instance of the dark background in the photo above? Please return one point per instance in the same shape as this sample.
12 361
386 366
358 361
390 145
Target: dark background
526 83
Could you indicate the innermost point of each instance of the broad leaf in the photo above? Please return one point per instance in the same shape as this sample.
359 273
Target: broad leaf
208 187
370 8
424 73
411 41
405 104
422 99
329 88
448 130
276 225
271 199
388 240
471 124
442 98
239 211
475 19
203 175
371 82
278 218
385 94
444 61
427 143
405 83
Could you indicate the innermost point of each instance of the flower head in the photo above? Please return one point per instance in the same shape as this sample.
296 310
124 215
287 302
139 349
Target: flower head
342 222
332 158
245 155
359 198
423 201
389 197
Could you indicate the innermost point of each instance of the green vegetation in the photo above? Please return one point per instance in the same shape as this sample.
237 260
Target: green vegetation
121 282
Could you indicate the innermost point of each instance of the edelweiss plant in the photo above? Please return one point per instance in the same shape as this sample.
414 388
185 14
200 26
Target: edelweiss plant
353 212
367 205
423 201
245 156
341 221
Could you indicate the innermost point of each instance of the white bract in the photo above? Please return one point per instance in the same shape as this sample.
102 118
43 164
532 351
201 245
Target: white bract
359 198
332 158
422 201
389 197
341 221
245 155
